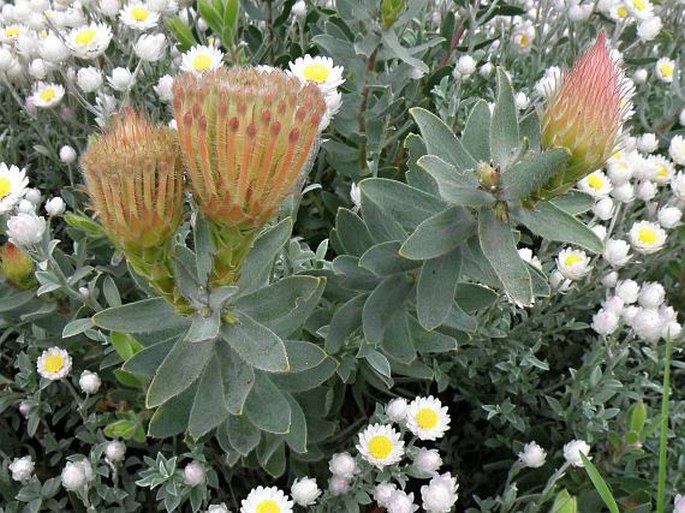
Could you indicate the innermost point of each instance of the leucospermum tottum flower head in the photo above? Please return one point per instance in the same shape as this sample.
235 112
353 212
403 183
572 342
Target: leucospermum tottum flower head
134 179
585 114
247 138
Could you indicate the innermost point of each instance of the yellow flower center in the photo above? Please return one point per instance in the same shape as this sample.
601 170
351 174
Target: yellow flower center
42 33
12 31
595 181
666 69
316 71
622 12
640 5
268 506
53 363
85 36
572 259
427 418
5 186
523 40
47 94
380 446
139 13
663 171
202 62
647 235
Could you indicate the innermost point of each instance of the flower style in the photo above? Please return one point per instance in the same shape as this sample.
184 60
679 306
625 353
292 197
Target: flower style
133 176
247 139
54 363
427 418
380 445
266 500
585 114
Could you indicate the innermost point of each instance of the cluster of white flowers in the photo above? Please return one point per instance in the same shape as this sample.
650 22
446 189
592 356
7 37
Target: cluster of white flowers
641 308
534 456
19 204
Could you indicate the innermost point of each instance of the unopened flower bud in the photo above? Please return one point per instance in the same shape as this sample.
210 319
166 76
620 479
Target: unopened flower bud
115 451
585 114
89 382
305 491
55 206
532 456
67 154
194 474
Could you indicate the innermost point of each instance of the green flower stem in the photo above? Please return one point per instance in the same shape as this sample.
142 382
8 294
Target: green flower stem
661 483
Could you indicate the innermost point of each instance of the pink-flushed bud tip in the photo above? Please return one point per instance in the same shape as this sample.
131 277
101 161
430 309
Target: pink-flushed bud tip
585 114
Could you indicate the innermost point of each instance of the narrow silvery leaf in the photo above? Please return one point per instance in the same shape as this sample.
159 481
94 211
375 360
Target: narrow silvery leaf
504 128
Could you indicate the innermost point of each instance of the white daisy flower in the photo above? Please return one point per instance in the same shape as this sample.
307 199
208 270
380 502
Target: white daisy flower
427 418
646 237
138 16
662 169
573 264
13 183
664 68
319 70
10 33
380 445
620 168
522 39
677 149
596 184
201 58
89 41
641 10
263 500
619 12
46 95
54 363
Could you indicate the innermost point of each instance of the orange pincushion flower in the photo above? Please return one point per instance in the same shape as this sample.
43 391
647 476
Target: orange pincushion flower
134 178
585 114
248 136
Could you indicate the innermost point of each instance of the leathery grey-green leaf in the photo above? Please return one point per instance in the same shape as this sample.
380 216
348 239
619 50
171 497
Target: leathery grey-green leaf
256 344
504 128
499 248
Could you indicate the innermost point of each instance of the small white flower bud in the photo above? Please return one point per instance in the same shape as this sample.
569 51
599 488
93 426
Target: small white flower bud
22 468
604 322
572 452
681 118
647 143
427 460
299 9
609 279
305 491
652 295
673 330
163 88
396 410
521 101
55 206
466 65
38 69
73 476
382 493
84 292
338 485
604 209
645 190
343 465
669 217
89 382
628 291
150 47
218 508
194 474
67 154
486 70
613 304
115 451
24 409
33 195
616 252
532 456
25 207
647 324
121 79
89 79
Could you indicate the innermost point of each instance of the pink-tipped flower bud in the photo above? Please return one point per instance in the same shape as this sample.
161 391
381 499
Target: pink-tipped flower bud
585 114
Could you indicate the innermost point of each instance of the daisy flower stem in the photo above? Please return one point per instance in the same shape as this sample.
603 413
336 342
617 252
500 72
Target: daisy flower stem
661 483
77 398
